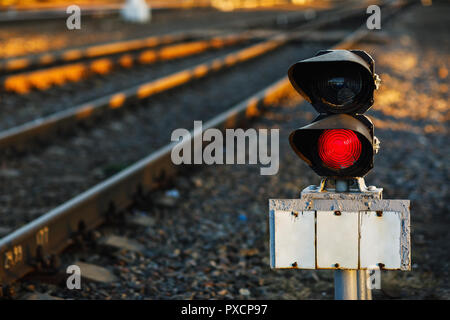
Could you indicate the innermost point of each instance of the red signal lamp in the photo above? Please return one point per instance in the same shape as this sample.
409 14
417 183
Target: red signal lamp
339 148
336 145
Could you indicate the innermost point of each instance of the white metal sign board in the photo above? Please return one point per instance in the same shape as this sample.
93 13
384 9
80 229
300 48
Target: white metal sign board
293 228
340 234
379 239
337 240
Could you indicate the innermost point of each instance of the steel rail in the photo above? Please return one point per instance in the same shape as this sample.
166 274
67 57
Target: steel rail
20 136
92 51
26 248
43 79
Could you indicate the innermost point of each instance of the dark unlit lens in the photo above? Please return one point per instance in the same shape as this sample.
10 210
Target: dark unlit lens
338 87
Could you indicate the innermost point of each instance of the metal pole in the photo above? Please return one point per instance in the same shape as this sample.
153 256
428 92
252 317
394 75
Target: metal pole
345 281
345 285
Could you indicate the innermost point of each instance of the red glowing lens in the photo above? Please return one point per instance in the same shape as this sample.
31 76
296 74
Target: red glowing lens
339 148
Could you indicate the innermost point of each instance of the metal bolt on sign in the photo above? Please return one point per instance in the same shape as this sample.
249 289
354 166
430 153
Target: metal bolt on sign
341 224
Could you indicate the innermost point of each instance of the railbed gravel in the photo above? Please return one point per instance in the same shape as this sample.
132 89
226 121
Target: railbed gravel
212 242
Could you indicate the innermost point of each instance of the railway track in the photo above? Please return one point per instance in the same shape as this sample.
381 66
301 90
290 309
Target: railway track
125 56
36 245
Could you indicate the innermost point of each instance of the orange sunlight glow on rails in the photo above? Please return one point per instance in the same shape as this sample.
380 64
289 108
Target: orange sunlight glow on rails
55 76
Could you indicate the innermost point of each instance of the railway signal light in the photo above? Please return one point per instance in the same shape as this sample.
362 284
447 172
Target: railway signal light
339 84
355 234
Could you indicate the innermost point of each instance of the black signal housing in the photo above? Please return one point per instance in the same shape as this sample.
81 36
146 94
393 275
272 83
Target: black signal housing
336 81
339 84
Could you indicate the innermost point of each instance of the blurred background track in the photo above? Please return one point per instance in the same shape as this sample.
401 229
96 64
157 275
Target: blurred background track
21 38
